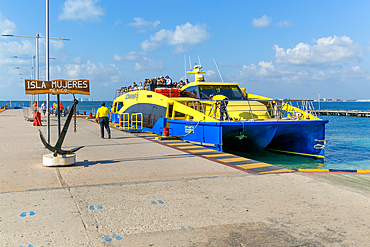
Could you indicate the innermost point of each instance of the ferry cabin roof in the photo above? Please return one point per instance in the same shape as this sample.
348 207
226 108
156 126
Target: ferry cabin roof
205 90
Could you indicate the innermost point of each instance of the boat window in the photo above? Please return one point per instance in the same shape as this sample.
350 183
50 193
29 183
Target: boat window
231 92
170 109
191 92
237 92
206 92
179 115
120 104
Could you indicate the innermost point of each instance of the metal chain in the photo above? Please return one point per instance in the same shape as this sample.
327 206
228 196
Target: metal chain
75 120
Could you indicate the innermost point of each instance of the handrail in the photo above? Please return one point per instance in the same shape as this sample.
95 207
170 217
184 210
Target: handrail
124 121
135 120
273 109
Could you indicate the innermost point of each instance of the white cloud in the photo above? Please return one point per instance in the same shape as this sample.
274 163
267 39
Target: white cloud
57 44
230 65
118 21
6 26
141 61
142 24
253 73
264 21
210 73
330 51
13 48
180 49
81 10
266 65
265 73
147 45
356 68
284 23
98 73
186 34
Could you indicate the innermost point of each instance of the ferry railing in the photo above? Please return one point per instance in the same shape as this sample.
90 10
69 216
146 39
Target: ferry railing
137 120
273 110
133 123
124 121
303 105
86 109
27 114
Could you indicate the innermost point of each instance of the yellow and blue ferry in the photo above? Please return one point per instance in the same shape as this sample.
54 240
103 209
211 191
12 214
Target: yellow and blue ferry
222 115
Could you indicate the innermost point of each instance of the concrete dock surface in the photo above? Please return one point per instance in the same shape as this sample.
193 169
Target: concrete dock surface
129 191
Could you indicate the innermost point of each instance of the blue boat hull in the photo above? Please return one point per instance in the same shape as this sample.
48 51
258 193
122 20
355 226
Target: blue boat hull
294 137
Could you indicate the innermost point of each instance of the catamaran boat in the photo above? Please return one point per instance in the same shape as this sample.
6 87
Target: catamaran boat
222 115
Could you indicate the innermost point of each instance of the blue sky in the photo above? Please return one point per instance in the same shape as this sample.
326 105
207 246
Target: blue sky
281 49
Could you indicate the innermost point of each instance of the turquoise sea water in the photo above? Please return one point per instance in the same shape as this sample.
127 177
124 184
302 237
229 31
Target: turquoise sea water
348 139
348 145
88 106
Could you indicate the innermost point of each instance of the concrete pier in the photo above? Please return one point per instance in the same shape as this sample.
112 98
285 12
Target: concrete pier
130 191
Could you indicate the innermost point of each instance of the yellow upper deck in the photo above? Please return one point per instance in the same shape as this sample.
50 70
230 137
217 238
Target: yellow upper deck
199 101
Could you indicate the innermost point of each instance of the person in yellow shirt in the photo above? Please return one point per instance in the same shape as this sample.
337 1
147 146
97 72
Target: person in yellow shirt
102 116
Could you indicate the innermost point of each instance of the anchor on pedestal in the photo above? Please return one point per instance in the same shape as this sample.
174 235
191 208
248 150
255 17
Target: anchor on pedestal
57 149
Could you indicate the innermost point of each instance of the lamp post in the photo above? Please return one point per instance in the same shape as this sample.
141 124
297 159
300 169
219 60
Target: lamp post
32 77
37 37
32 98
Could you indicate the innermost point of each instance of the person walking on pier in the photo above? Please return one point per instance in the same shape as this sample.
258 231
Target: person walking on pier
102 116
43 108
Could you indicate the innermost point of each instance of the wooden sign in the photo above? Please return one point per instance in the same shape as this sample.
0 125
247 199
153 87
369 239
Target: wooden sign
80 86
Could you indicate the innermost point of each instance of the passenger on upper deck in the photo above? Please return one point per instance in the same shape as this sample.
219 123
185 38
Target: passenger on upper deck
146 85
187 81
134 86
140 87
152 83
161 81
168 80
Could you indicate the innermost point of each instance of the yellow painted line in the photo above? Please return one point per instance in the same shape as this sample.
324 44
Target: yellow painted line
217 155
311 155
232 159
201 150
171 140
277 171
190 147
363 171
313 170
253 165
179 144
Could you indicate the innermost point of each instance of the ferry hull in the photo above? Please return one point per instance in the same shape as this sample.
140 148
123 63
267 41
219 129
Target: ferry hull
294 137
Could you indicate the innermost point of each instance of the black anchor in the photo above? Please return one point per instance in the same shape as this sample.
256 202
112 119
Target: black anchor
57 149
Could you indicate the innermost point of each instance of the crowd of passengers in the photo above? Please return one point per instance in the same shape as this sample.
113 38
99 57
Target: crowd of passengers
151 84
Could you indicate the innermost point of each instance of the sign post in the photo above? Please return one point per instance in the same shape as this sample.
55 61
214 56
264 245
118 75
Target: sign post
60 86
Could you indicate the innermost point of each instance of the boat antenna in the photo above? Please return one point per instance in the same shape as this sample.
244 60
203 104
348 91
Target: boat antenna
185 65
218 70
199 61
190 62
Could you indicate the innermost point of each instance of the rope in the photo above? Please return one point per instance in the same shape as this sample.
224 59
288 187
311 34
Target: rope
192 131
